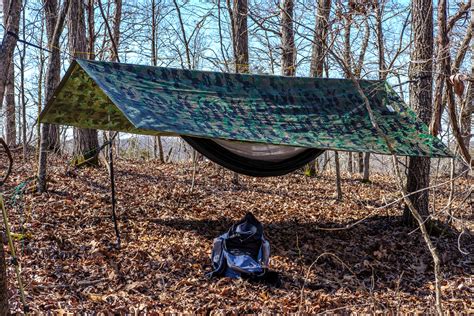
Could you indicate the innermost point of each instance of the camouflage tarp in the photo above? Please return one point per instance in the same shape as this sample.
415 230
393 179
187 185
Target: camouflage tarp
306 112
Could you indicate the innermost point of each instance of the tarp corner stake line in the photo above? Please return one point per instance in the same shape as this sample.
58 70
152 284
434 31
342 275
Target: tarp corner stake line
313 113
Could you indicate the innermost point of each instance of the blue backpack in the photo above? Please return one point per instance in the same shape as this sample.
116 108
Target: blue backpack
241 252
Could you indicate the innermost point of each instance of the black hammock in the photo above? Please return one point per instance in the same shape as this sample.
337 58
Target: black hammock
249 166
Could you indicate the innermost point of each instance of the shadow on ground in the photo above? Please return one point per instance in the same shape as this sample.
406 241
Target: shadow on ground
375 254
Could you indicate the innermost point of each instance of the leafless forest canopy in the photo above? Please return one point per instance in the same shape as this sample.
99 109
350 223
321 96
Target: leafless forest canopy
350 231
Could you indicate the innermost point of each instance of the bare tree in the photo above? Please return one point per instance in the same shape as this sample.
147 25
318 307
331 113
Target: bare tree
50 133
467 105
240 39
7 46
347 20
22 97
443 81
319 54
157 143
9 101
85 140
379 6
183 34
9 41
321 30
442 54
468 108
288 54
115 41
421 67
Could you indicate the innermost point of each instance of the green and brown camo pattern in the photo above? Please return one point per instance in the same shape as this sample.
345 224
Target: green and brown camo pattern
306 112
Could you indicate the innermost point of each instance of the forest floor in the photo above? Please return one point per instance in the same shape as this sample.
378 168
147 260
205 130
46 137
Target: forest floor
69 263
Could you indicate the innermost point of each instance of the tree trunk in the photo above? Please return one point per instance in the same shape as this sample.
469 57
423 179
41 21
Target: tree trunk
360 162
9 101
338 176
85 140
420 99
8 43
319 51
116 29
348 62
50 133
366 176
379 9
53 71
240 37
240 41
22 89
42 60
349 162
288 55
9 104
157 143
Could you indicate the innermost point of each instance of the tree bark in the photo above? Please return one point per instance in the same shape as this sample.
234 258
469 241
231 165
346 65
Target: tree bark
116 30
420 99
9 104
240 38
360 162
9 100
9 42
338 176
86 141
366 171
90 29
320 38
288 54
